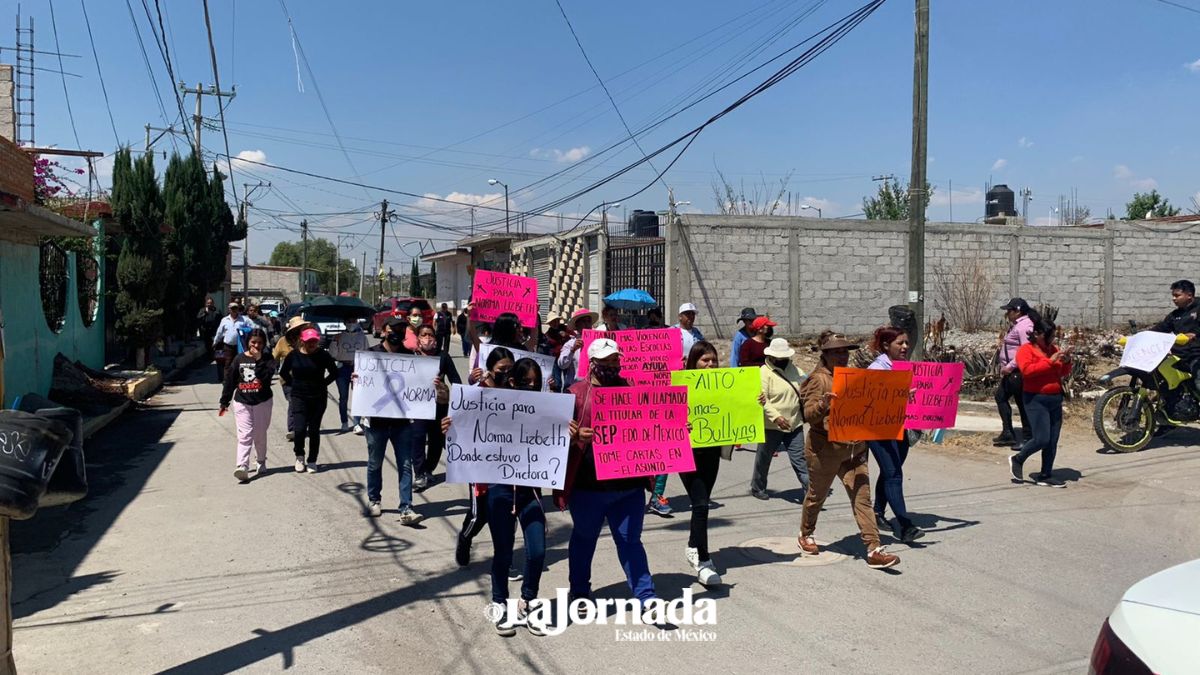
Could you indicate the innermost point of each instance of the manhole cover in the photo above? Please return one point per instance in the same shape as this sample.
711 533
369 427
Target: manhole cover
784 551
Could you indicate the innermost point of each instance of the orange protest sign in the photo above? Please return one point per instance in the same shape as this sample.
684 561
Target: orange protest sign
868 405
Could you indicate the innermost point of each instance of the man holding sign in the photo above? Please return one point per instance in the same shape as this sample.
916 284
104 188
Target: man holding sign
828 459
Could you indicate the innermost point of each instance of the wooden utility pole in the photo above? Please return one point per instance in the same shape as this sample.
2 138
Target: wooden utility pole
362 273
917 196
201 92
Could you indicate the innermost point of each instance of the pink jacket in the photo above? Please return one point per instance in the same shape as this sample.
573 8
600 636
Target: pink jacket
1017 336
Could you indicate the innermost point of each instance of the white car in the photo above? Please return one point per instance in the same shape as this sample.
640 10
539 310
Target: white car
1155 627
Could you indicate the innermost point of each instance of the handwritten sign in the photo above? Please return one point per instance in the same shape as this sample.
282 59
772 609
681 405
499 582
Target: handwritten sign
394 385
723 406
869 404
1145 350
508 436
496 293
935 403
640 431
545 361
647 356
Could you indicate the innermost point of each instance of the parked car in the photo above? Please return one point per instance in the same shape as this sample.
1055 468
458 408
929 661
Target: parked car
291 310
400 307
329 326
1154 627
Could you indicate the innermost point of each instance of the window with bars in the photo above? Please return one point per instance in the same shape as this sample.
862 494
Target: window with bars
52 278
87 287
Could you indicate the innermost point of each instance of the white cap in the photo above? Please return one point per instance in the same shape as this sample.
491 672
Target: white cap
687 307
602 349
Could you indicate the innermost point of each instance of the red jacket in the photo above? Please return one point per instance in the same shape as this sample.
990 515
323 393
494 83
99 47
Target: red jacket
1039 374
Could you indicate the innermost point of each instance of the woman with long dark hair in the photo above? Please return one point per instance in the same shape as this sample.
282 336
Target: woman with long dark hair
699 483
506 332
248 385
892 345
426 460
498 363
1043 365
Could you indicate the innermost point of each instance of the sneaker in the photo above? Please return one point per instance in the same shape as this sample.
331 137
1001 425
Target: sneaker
760 494
882 522
420 483
808 545
358 430
345 427
525 615
1015 469
658 505
311 467
299 465
290 436
409 517
503 622
1005 438
241 474
911 533
1046 480
260 468
514 575
375 510
707 574
880 559
462 552
692 555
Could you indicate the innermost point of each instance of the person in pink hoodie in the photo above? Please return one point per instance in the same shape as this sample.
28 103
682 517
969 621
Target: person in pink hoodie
1021 318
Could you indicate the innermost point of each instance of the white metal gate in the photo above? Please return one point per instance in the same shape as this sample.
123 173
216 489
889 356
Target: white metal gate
541 272
593 281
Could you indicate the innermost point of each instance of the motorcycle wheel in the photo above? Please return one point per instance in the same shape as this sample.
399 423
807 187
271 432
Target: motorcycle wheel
1114 424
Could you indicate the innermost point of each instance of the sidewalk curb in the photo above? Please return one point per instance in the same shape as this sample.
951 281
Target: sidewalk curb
94 424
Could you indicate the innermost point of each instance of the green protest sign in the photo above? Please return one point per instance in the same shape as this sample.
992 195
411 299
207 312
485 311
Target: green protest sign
723 406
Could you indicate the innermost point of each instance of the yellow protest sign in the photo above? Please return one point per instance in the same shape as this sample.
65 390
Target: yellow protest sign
723 406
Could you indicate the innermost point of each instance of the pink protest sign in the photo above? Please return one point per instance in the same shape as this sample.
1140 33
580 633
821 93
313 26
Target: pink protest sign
495 293
640 431
647 356
935 403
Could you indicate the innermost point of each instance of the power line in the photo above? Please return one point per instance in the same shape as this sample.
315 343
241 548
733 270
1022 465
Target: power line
1180 6
212 51
66 95
103 89
164 52
137 31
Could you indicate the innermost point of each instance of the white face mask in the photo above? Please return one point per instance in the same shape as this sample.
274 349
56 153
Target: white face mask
485 339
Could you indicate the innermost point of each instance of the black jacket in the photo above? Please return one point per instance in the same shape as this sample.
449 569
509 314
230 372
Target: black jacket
250 379
309 375
1186 320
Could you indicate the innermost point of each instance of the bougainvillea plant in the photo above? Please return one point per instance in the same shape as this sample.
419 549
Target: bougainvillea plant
48 181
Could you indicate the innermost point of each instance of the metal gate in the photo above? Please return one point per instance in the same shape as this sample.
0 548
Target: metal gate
593 281
636 263
540 269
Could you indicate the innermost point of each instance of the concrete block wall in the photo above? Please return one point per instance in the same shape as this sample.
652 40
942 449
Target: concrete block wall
16 171
8 115
1146 259
568 267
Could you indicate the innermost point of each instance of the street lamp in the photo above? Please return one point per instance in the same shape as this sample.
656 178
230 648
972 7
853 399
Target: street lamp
604 210
804 207
493 181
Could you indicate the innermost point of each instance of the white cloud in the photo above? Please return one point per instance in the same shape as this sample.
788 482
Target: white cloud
827 206
1024 142
1194 66
999 164
569 156
246 157
1122 172
1145 184
967 196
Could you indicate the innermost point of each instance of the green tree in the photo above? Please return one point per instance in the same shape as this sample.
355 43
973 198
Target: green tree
431 288
137 206
1149 205
414 281
323 258
891 201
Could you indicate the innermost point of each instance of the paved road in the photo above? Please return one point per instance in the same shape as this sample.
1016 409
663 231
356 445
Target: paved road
171 565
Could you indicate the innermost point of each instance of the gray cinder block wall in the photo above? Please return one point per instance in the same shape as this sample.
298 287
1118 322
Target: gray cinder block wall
811 274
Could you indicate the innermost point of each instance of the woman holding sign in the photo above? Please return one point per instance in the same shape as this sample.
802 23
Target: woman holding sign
508 505
1043 365
783 414
892 345
828 459
425 459
699 483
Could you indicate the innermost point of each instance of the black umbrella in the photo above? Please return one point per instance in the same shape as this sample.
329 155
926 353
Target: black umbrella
340 307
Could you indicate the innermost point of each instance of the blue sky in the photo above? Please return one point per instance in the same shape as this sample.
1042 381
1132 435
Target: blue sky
1070 94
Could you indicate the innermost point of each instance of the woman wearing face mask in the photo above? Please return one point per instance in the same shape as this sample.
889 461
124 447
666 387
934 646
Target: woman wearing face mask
506 332
892 345
508 505
308 370
699 483
499 363
752 353
250 375
424 462
783 414
828 459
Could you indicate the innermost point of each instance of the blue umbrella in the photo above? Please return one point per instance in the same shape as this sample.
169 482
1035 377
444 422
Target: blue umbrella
631 299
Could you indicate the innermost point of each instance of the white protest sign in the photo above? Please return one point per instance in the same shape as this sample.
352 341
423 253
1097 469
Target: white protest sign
546 362
394 385
508 436
1145 350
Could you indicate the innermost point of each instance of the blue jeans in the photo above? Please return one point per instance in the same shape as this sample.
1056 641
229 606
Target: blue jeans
345 370
400 433
466 345
889 487
791 441
624 511
503 500
1045 421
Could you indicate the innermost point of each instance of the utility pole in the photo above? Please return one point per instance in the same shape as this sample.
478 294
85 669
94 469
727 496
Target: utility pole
1026 197
304 261
916 186
245 253
384 217
200 93
362 273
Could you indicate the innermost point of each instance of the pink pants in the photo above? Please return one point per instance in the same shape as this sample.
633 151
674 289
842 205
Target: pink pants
252 422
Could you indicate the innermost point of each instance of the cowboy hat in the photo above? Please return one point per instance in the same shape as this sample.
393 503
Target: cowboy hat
580 313
836 341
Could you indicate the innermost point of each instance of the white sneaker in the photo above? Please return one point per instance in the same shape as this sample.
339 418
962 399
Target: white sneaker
260 468
707 574
299 466
358 430
241 474
410 517
525 615
311 467
504 623
692 555
375 510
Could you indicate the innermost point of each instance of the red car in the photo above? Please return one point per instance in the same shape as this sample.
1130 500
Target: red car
400 307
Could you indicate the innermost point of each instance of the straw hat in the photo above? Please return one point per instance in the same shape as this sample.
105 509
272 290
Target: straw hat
295 325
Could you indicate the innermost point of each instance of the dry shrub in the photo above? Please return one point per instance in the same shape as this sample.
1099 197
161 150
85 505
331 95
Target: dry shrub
964 292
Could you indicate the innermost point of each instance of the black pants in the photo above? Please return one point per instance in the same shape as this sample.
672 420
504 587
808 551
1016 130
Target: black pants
287 395
1045 411
699 485
477 518
305 415
1010 387
435 443
443 342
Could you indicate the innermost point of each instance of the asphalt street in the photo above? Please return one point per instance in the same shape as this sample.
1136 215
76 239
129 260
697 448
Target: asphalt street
171 565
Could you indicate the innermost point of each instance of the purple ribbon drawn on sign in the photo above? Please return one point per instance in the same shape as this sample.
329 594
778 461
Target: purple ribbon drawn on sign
394 384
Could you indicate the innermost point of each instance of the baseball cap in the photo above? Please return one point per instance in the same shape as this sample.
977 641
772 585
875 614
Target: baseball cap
310 334
761 322
748 314
602 349
687 307
395 321
1017 304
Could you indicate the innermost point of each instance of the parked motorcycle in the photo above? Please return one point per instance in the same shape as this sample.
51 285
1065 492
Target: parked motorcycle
1127 416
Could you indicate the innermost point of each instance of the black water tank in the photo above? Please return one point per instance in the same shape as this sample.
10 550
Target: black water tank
1001 201
643 223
